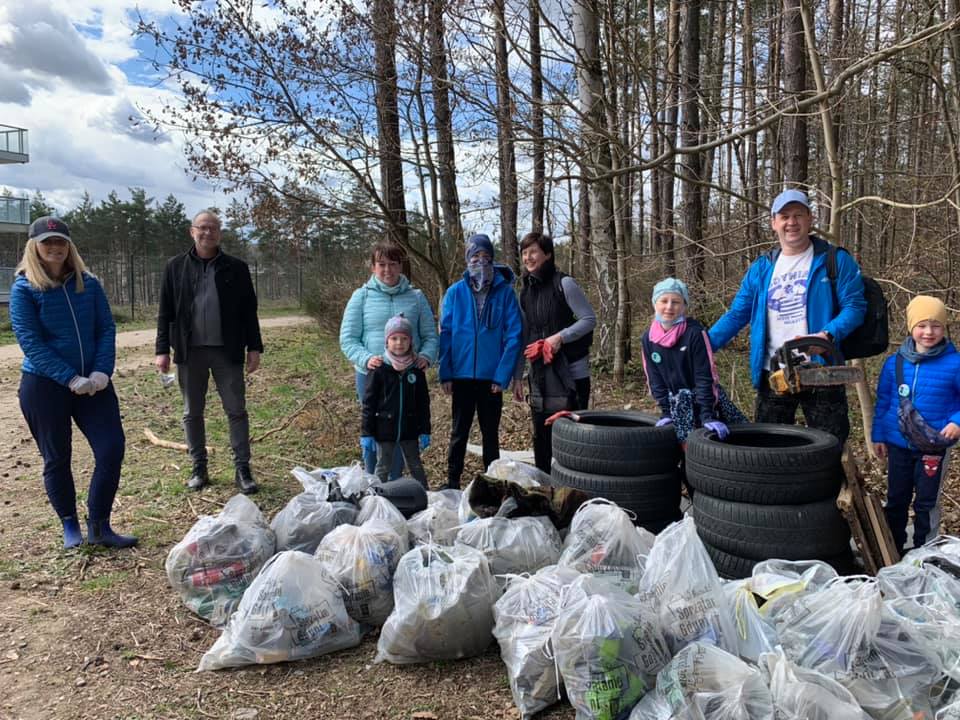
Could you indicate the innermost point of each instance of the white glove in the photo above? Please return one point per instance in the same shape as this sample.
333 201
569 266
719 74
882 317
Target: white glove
82 386
100 381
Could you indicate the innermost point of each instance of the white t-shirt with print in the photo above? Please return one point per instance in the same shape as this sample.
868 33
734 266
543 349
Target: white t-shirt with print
787 299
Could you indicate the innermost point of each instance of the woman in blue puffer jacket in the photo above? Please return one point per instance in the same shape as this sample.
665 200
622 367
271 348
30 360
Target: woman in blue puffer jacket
386 294
63 324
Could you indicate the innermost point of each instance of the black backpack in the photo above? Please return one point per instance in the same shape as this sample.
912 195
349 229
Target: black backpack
872 337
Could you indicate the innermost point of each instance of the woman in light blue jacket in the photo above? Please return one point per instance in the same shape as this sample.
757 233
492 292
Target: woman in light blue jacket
386 294
63 324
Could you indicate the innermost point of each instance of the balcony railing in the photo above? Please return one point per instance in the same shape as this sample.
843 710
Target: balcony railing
14 210
14 145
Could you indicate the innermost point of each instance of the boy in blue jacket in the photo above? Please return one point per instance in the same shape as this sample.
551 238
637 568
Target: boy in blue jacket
480 338
917 419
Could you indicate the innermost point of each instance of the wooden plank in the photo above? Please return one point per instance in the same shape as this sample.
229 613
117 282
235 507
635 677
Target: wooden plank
859 518
882 530
884 556
848 510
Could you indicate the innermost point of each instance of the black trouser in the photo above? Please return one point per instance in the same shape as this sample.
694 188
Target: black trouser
823 408
471 396
543 434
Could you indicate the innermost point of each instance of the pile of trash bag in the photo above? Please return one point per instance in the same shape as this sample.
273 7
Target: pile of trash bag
443 606
374 507
219 557
362 559
524 619
292 610
439 524
513 545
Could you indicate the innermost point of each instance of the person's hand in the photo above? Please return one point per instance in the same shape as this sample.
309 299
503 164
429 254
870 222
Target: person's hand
517 392
880 449
100 381
422 362
162 362
374 362
447 387
495 389
665 420
532 351
554 341
424 442
368 443
253 360
548 353
718 427
82 385
951 431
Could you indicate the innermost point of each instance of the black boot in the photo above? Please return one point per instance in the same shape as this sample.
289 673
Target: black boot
244 479
199 479
99 532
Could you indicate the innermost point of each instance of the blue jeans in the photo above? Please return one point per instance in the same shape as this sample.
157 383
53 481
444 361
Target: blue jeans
50 410
370 458
913 475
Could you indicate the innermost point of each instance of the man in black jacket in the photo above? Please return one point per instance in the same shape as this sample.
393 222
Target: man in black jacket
208 315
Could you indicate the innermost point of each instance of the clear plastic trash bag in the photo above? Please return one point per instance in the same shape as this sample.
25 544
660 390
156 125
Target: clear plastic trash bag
522 474
439 524
704 681
652 706
607 657
374 507
845 632
448 496
302 523
681 580
443 606
464 511
219 557
353 480
513 545
363 558
602 540
524 619
803 694
292 610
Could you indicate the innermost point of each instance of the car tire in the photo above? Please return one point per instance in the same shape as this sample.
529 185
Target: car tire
790 532
615 443
765 464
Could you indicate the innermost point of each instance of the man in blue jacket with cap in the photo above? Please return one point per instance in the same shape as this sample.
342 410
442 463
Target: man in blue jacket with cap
787 293
480 337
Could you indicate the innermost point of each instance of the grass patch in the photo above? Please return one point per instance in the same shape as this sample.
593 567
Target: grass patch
106 581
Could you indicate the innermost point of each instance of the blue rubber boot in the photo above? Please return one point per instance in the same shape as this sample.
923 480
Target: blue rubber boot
99 532
72 537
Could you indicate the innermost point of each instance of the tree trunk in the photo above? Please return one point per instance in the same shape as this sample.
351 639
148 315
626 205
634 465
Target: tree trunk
670 136
795 148
692 163
536 117
750 111
388 120
506 156
446 164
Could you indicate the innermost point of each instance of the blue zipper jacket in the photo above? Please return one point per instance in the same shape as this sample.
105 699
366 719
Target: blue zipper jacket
934 389
485 346
63 333
366 315
749 306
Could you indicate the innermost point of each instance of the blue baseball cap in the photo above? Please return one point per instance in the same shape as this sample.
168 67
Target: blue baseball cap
787 197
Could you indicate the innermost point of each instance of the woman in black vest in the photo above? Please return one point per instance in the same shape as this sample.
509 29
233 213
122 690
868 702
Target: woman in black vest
558 324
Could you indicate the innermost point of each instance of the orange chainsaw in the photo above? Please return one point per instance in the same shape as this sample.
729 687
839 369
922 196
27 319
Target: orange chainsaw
810 362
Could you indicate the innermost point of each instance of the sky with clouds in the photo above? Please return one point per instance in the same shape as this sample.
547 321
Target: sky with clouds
72 74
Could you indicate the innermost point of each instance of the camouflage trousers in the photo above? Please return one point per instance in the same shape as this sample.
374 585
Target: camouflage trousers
823 408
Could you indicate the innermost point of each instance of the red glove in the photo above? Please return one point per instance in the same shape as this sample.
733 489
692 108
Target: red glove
562 414
533 350
548 353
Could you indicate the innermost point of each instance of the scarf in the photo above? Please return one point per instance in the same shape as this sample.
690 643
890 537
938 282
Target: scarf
908 348
402 362
481 275
667 337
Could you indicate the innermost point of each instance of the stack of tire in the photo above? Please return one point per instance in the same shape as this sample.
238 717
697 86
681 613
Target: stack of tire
767 491
623 457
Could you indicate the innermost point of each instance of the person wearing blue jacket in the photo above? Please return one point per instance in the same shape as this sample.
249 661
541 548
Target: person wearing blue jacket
480 343
386 294
787 293
916 419
62 321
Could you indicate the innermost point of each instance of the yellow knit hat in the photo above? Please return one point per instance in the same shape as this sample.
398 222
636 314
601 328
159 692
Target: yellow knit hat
924 307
